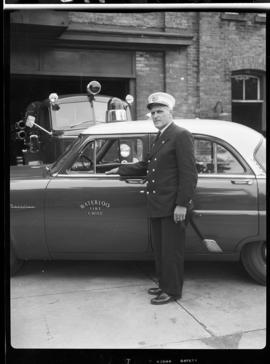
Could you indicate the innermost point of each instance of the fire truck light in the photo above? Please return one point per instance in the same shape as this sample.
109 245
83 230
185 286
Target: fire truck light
93 87
129 99
53 98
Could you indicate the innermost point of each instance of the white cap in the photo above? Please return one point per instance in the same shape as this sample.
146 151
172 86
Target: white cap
161 98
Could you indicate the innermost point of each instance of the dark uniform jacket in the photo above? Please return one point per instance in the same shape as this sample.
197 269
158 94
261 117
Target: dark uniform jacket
170 171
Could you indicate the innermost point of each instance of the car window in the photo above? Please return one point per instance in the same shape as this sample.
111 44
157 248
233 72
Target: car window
204 156
101 155
260 154
212 157
226 162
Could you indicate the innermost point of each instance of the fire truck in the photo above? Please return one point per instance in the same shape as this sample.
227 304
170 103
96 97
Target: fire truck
49 126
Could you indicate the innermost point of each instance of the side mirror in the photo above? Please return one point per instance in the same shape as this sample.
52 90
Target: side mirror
30 122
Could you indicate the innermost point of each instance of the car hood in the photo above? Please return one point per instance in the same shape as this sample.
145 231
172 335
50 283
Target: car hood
28 172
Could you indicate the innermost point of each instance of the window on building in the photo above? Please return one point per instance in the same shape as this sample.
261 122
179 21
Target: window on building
248 99
245 88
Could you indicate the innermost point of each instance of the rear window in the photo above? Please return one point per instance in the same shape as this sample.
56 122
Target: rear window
260 154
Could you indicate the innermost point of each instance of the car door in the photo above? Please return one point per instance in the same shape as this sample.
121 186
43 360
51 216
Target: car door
225 204
90 212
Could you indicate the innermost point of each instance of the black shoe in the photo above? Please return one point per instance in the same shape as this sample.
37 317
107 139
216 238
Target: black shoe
155 291
163 298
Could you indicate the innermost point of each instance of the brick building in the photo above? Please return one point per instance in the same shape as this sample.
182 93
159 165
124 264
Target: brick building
213 62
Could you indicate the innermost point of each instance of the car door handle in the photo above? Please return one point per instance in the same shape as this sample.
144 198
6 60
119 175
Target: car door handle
241 181
134 181
196 214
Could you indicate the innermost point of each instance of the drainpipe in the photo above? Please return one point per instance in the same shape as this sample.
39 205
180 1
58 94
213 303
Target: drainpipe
198 101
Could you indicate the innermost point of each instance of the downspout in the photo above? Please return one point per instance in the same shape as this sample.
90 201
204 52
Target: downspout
164 58
198 94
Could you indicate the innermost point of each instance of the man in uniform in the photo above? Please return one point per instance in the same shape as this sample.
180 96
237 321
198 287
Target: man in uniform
171 177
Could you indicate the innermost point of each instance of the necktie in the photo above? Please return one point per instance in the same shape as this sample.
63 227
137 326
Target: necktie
158 135
156 139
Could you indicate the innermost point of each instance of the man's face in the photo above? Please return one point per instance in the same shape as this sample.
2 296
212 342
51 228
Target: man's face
161 116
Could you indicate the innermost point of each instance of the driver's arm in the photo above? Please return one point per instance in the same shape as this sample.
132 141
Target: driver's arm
135 169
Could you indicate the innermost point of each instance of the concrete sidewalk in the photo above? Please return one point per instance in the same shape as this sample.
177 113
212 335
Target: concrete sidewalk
105 305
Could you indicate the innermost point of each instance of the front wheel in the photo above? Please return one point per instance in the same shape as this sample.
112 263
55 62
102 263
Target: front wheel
15 263
253 258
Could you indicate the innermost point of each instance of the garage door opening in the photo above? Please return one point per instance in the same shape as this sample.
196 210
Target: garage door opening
27 88
248 114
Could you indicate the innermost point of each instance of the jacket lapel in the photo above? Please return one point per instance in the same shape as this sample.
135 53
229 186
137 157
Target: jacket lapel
162 140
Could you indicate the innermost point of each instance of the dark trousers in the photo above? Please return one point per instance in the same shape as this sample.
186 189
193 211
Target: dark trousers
168 239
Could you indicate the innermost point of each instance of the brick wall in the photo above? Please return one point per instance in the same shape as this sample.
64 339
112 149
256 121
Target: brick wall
226 45
149 78
198 75
150 20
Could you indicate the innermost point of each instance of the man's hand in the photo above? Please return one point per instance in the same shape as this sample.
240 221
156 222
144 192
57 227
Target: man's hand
113 171
179 214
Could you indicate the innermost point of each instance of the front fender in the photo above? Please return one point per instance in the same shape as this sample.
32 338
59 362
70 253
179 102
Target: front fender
27 218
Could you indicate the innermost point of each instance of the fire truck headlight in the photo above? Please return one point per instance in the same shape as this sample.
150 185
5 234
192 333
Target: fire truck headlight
20 124
20 135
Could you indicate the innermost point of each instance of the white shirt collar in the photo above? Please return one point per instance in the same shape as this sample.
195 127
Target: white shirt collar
162 130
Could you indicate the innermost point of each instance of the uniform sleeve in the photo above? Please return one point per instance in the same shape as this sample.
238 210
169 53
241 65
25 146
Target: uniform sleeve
187 171
136 169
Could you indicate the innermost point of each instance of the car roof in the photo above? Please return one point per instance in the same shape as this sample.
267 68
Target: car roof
239 136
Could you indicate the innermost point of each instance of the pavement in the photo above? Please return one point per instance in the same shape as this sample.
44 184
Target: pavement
105 305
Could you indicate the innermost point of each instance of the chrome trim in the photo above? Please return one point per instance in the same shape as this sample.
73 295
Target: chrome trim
212 246
227 176
201 175
84 175
241 182
199 213
13 206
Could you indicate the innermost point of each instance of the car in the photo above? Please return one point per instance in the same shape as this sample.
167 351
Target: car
73 210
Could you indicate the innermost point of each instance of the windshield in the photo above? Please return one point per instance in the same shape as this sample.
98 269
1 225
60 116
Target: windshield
260 154
70 150
74 114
